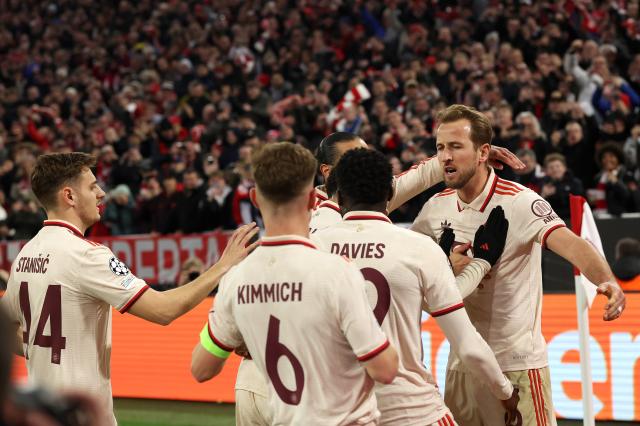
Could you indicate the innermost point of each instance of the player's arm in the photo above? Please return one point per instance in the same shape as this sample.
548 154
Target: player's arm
384 366
164 307
476 354
583 256
429 172
207 358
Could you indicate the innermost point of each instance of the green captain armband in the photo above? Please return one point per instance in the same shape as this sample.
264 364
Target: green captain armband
210 346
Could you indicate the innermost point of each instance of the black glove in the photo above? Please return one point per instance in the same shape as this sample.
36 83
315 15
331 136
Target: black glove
491 237
446 240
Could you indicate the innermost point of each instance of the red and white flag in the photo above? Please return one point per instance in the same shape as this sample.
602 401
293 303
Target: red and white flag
353 97
583 225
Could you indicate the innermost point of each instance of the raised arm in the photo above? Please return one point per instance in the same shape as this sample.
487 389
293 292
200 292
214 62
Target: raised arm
582 255
164 307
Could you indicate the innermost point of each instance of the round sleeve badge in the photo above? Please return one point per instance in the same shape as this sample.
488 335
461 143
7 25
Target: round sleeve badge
541 208
118 267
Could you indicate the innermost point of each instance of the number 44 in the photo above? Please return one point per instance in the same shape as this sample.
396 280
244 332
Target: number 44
52 313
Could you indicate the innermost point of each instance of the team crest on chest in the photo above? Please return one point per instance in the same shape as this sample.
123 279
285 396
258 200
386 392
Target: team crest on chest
118 267
445 224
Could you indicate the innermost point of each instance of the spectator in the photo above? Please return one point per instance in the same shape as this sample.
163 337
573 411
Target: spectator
532 175
558 184
194 211
626 268
530 134
119 214
190 270
610 194
578 151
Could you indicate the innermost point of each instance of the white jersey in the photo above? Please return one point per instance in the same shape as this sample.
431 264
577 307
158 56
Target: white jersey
305 319
325 215
405 273
61 290
506 306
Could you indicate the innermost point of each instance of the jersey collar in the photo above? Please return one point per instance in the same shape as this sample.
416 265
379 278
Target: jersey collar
482 200
286 240
366 215
321 194
64 224
330 205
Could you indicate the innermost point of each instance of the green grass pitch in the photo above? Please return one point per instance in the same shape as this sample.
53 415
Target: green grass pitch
150 412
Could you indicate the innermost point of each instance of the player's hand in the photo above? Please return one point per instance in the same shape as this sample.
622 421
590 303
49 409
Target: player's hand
617 301
491 237
512 415
459 260
446 240
499 155
239 246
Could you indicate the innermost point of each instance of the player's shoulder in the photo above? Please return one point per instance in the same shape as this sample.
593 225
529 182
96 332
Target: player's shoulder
520 197
416 242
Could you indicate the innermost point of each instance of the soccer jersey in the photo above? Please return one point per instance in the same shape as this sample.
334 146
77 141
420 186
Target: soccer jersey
405 273
61 290
325 215
506 306
304 317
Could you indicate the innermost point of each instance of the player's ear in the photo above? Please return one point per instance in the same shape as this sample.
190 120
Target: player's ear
68 196
484 153
311 202
325 169
254 198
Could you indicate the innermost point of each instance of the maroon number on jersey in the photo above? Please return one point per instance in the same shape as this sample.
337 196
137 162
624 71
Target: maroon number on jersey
52 313
382 288
274 351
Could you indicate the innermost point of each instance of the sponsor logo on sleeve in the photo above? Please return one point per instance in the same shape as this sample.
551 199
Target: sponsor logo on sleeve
126 283
118 267
541 208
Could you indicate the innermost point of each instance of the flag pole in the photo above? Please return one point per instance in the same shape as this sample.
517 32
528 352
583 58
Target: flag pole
582 305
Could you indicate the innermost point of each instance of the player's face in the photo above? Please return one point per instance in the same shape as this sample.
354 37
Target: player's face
457 155
89 196
341 148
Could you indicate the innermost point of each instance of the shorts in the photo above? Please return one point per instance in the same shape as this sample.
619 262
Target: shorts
447 420
472 403
252 409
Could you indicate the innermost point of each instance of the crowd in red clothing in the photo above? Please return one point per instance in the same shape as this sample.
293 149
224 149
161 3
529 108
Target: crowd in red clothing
172 97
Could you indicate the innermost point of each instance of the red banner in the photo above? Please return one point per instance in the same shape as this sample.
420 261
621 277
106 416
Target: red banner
155 259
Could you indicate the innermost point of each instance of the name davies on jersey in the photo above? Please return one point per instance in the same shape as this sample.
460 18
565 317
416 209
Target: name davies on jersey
359 250
269 293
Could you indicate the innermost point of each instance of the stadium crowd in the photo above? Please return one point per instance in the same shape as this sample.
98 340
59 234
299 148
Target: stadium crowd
172 97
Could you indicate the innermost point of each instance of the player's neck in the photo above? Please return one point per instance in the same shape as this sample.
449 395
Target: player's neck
475 186
67 217
360 207
292 224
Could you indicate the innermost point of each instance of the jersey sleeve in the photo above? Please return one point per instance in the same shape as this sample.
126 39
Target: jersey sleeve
355 316
440 294
222 327
412 182
533 218
102 275
421 222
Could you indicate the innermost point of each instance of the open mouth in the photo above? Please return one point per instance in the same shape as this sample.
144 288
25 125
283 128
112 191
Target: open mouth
450 171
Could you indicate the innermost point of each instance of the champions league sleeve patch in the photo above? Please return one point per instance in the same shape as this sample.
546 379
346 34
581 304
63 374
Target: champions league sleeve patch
118 267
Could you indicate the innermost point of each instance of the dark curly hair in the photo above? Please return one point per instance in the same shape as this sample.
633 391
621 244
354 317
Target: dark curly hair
364 177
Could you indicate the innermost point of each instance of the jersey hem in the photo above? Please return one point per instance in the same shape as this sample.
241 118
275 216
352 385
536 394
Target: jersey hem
447 310
133 300
374 353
